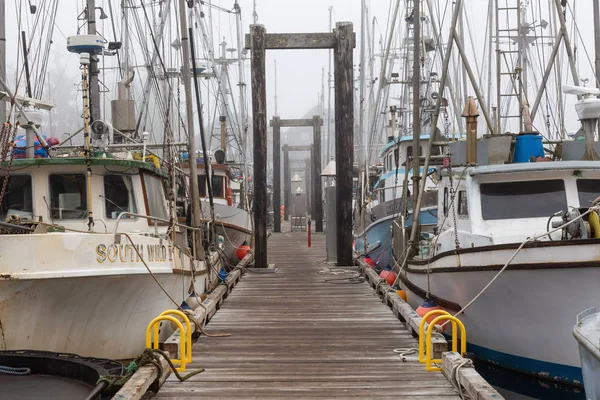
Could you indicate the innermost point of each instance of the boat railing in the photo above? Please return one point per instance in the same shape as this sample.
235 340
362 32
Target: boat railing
154 219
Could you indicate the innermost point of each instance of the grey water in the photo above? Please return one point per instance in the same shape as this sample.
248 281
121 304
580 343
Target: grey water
515 386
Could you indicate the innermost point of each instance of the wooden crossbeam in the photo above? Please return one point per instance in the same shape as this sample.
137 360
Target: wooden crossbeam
281 41
291 123
298 148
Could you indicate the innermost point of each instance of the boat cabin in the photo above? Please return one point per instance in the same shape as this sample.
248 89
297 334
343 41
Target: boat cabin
395 156
54 191
507 203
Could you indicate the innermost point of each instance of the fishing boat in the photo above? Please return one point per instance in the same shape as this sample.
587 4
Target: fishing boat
388 199
373 237
587 334
232 222
67 286
513 239
92 249
497 208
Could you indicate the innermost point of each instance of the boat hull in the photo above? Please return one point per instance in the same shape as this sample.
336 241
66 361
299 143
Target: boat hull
89 316
524 320
380 232
234 224
82 293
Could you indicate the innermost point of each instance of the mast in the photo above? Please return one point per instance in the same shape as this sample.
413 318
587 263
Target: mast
94 85
3 55
416 116
189 113
223 84
596 45
242 88
362 164
330 51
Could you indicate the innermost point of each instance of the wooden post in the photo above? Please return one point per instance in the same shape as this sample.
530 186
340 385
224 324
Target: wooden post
276 123
316 175
308 184
344 142
287 182
259 128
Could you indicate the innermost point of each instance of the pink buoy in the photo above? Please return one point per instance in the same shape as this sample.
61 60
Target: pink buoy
389 276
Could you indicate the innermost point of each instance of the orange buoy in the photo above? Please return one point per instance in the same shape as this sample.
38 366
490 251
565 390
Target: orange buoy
402 294
428 305
389 276
370 262
242 251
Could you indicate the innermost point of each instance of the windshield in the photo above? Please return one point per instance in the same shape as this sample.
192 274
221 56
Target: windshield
118 195
589 190
17 198
526 199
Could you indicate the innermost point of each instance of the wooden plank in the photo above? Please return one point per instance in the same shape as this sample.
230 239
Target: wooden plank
297 334
401 309
470 380
280 41
259 129
344 137
141 381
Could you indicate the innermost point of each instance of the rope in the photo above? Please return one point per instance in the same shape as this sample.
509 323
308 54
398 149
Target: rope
200 324
403 353
4 370
455 379
148 356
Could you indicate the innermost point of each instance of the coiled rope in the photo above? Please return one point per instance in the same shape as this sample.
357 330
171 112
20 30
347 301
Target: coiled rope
455 379
5 370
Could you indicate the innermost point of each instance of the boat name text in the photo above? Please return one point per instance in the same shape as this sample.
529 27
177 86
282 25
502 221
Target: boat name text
127 253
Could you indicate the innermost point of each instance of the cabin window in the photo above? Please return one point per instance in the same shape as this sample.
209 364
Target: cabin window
17 198
118 195
526 199
391 161
397 157
408 153
589 190
68 197
217 186
155 196
463 205
202 185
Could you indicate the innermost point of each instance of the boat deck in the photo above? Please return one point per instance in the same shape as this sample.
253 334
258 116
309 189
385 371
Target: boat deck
294 335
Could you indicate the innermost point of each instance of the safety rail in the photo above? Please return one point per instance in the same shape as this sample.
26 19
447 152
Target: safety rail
185 337
425 341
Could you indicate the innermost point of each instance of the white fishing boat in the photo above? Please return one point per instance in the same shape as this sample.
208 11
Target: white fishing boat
523 320
587 334
231 220
91 247
66 286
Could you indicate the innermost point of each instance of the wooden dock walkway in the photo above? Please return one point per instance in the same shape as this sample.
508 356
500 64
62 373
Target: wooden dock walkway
293 335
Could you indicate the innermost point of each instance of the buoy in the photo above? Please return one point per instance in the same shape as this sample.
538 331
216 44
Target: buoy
370 262
242 251
389 276
428 305
402 294
399 291
222 275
